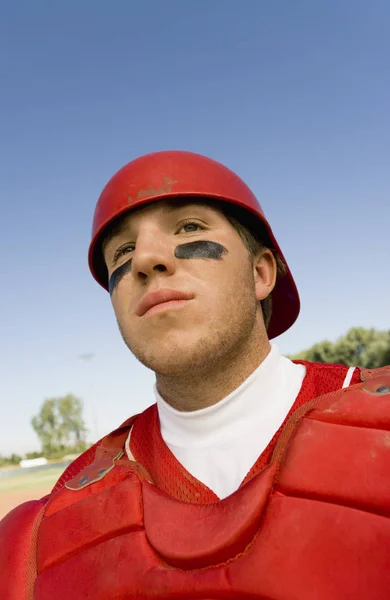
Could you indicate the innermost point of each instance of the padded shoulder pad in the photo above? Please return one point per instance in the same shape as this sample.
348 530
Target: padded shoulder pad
17 538
366 374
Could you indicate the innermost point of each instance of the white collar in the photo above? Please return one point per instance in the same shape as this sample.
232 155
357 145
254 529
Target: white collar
252 396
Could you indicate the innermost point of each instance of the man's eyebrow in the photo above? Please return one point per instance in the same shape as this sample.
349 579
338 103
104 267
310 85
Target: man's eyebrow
113 232
170 207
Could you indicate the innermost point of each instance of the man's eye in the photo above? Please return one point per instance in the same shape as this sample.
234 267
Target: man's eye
191 226
122 251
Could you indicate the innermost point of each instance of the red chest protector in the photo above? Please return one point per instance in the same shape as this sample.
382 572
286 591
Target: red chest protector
314 524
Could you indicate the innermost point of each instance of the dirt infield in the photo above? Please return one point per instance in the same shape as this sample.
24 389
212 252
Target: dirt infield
8 500
25 485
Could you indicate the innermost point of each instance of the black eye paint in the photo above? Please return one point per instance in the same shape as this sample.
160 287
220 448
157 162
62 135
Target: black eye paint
117 275
201 249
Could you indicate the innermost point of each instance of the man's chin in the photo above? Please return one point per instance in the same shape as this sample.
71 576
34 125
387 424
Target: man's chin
172 361
167 365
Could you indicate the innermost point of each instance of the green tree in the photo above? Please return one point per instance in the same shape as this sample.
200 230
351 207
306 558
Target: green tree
361 347
30 455
14 459
60 426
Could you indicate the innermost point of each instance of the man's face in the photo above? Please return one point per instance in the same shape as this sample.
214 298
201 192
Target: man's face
184 289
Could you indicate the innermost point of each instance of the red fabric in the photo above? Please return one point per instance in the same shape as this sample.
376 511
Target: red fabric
323 509
16 533
320 379
149 448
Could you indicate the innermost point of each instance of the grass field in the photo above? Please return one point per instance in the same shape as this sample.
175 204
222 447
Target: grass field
26 486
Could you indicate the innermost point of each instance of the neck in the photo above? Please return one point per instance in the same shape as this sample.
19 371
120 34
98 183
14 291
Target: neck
199 387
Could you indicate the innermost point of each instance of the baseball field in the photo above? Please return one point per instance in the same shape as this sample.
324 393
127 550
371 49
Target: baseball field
23 485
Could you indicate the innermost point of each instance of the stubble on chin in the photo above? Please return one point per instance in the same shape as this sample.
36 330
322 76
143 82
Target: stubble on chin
180 356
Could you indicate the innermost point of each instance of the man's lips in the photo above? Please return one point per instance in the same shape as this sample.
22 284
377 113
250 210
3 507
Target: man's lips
159 297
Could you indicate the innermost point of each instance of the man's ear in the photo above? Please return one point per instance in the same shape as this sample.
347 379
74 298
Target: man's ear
264 272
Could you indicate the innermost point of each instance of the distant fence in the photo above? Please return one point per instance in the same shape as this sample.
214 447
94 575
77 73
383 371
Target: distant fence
34 469
27 463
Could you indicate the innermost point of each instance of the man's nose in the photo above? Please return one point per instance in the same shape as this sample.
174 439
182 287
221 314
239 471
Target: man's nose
154 253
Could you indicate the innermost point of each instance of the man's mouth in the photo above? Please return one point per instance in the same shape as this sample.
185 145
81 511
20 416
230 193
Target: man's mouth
162 299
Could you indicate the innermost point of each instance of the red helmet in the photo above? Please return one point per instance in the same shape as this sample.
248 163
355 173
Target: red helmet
176 174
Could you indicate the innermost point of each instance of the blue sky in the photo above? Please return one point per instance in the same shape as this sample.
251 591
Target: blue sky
294 96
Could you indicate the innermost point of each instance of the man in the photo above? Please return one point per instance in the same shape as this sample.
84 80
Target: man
252 476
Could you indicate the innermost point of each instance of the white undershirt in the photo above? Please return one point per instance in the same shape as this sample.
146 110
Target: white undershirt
219 444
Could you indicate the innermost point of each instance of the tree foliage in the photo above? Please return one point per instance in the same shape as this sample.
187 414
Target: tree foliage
60 426
13 459
32 455
367 348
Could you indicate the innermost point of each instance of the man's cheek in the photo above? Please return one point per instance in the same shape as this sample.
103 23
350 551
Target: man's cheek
118 274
